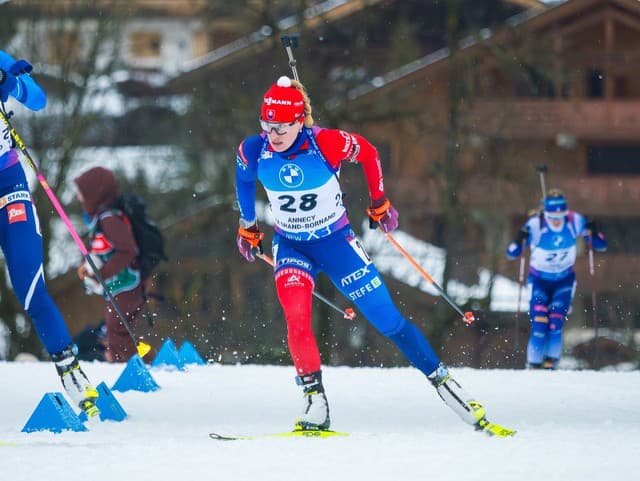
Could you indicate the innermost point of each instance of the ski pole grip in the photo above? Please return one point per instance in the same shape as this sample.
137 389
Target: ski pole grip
290 40
257 251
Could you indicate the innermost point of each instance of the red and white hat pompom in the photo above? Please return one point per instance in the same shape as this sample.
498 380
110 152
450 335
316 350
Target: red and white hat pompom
282 102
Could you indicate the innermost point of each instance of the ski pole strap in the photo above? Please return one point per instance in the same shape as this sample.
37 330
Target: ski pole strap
253 237
377 213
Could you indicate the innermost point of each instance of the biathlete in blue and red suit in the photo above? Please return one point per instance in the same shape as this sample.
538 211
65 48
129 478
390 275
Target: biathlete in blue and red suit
298 165
21 241
551 236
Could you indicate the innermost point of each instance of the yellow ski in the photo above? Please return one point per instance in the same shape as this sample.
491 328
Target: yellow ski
493 429
296 433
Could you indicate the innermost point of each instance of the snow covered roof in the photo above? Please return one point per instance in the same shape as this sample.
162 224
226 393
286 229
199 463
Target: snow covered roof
312 15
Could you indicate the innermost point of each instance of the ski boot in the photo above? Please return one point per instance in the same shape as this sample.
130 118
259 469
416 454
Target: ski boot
470 410
75 382
315 412
549 363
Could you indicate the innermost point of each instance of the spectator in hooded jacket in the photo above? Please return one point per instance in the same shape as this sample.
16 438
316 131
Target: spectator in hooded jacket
114 251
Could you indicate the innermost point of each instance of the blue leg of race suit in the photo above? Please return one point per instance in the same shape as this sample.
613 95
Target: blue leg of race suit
348 266
22 246
539 314
558 310
550 301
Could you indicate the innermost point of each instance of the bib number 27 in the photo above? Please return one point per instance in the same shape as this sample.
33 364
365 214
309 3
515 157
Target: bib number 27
556 257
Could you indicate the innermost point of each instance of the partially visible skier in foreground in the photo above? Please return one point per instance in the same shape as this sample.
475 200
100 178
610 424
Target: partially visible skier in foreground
21 242
551 235
298 165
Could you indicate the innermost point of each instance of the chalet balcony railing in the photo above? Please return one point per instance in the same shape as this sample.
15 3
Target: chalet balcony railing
591 120
600 196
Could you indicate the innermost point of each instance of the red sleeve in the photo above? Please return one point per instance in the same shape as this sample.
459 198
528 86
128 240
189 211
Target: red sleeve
119 234
338 146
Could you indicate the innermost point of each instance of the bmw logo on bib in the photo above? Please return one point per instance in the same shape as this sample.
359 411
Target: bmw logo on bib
291 175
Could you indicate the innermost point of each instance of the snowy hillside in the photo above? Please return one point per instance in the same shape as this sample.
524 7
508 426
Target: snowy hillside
573 426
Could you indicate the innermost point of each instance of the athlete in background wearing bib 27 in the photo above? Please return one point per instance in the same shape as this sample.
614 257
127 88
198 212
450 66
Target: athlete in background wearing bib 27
551 236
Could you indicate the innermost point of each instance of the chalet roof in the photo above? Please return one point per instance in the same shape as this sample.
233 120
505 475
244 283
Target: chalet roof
328 10
255 42
173 8
561 17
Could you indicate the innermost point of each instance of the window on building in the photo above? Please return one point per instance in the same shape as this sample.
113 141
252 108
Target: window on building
534 82
595 84
621 88
145 44
613 160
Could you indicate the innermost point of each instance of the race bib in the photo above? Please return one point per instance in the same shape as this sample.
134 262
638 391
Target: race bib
5 141
307 210
553 261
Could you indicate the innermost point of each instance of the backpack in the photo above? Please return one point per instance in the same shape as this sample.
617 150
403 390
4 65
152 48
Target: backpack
148 237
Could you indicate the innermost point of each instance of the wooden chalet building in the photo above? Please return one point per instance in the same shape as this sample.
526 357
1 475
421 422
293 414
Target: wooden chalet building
558 87
461 128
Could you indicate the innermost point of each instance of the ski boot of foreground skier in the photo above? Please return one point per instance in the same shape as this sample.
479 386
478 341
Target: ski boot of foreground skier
75 381
469 410
315 409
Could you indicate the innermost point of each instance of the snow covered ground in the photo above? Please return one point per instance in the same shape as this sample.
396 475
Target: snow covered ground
572 426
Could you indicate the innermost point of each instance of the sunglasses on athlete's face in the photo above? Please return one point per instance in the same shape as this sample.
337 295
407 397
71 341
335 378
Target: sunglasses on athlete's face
555 216
279 128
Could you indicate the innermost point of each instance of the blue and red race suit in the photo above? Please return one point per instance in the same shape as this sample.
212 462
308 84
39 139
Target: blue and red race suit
313 235
552 279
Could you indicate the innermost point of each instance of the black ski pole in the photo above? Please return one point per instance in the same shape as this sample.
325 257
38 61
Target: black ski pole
542 169
592 274
348 313
290 42
516 340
